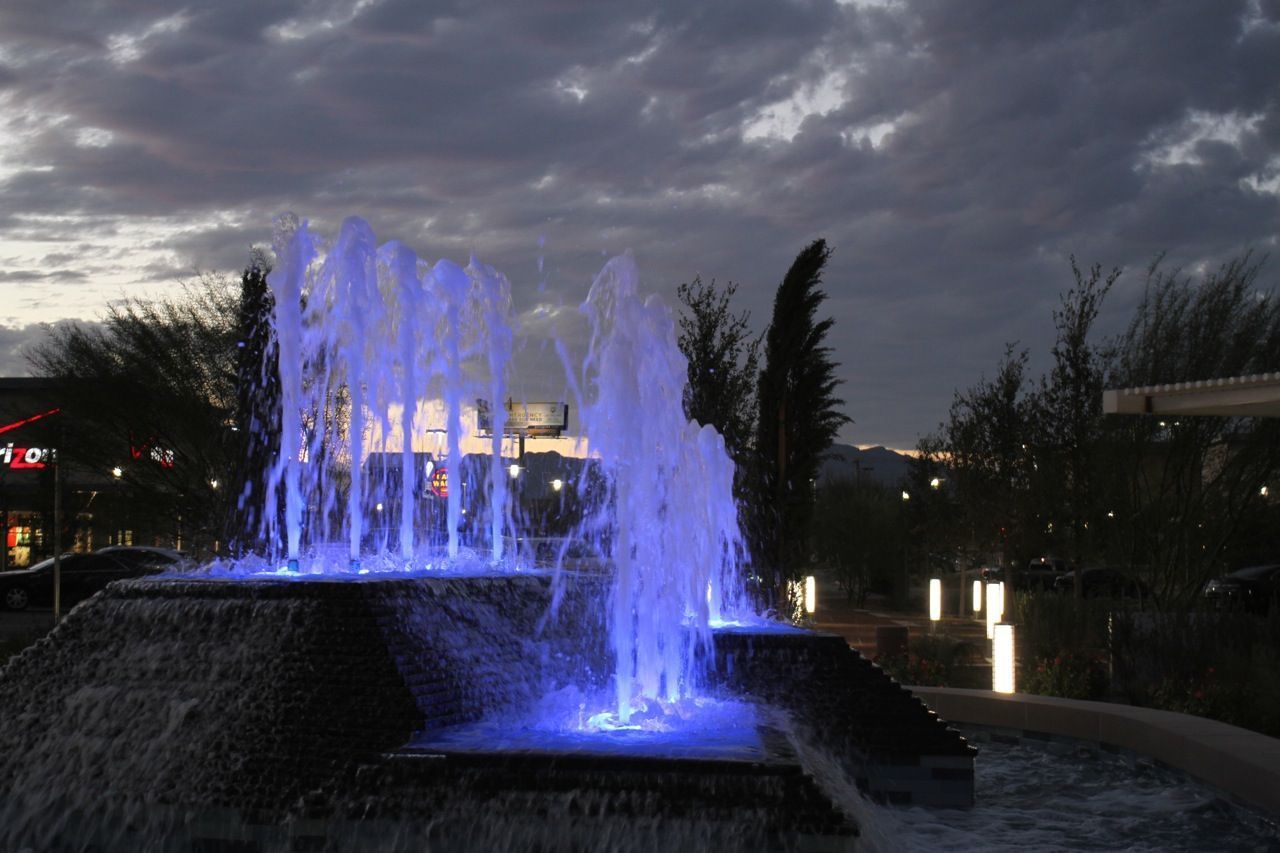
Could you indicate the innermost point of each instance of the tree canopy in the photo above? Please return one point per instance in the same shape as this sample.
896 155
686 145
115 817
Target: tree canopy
1035 468
151 391
255 435
723 362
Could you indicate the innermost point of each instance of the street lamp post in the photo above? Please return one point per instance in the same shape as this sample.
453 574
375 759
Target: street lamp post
57 537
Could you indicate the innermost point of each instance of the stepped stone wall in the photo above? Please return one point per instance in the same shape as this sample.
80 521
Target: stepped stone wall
160 703
889 742
252 695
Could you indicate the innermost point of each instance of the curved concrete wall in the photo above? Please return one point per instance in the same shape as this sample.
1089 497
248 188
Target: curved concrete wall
1243 763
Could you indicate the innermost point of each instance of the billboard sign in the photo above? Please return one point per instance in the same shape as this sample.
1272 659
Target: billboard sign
536 419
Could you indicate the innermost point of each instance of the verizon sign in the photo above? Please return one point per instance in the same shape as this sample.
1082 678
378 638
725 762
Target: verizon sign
25 458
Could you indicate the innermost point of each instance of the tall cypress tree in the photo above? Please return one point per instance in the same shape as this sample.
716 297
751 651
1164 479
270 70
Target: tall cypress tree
799 415
255 436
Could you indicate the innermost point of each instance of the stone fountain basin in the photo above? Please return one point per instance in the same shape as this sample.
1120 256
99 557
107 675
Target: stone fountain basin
276 701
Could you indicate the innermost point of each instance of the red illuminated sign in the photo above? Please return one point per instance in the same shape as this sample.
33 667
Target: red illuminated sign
24 458
25 421
148 449
440 482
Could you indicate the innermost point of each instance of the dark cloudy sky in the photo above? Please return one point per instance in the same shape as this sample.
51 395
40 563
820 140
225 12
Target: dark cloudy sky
954 154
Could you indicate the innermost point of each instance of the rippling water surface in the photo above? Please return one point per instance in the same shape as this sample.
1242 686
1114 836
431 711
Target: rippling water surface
1052 796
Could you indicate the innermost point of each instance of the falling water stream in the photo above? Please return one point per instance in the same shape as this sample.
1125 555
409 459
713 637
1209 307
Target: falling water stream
375 343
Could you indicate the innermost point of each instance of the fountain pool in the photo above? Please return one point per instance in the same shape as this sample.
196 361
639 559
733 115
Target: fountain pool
1072 795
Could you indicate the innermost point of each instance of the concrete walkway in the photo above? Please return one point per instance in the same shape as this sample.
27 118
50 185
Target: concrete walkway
858 624
1243 763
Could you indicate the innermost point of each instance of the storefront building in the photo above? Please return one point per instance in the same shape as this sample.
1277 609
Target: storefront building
90 513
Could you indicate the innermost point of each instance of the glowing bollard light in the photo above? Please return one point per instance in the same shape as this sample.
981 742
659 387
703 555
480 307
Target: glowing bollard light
1002 662
935 599
810 595
995 607
977 596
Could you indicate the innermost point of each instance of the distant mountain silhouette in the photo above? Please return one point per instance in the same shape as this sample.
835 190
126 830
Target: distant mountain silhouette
844 462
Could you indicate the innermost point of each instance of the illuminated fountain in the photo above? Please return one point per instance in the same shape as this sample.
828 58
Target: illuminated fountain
373 336
390 682
370 339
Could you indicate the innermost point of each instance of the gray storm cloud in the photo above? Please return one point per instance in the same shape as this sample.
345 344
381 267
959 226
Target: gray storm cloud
953 155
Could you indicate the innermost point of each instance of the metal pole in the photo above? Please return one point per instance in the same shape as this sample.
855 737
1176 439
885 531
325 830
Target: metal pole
57 537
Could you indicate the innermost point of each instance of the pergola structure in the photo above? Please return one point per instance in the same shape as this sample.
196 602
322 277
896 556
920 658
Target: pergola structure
1237 396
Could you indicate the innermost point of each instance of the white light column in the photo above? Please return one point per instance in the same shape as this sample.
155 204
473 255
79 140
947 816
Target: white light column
995 607
1002 659
977 596
935 599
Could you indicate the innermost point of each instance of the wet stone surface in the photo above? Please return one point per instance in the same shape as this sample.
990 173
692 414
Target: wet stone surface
164 703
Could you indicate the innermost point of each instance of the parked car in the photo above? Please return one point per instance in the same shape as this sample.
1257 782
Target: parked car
1103 582
82 575
1038 573
1041 573
1255 588
991 574
144 555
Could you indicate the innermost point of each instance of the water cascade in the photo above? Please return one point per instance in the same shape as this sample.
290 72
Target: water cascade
669 513
372 337
373 341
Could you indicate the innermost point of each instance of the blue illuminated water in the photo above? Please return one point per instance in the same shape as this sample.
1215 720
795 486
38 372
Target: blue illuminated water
380 352
569 722
669 512
378 349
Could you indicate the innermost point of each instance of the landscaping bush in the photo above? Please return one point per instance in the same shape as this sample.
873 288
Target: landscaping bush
1050 623
1220 665
1071 675
931 662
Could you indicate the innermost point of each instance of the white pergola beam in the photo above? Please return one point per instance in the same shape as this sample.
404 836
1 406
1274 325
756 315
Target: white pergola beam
1238 396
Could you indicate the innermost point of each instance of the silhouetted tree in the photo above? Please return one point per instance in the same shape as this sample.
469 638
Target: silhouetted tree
151 390
857 535
933 520
723 362
1068 413
799 415
986 442
255 437
1189 504
1175 500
